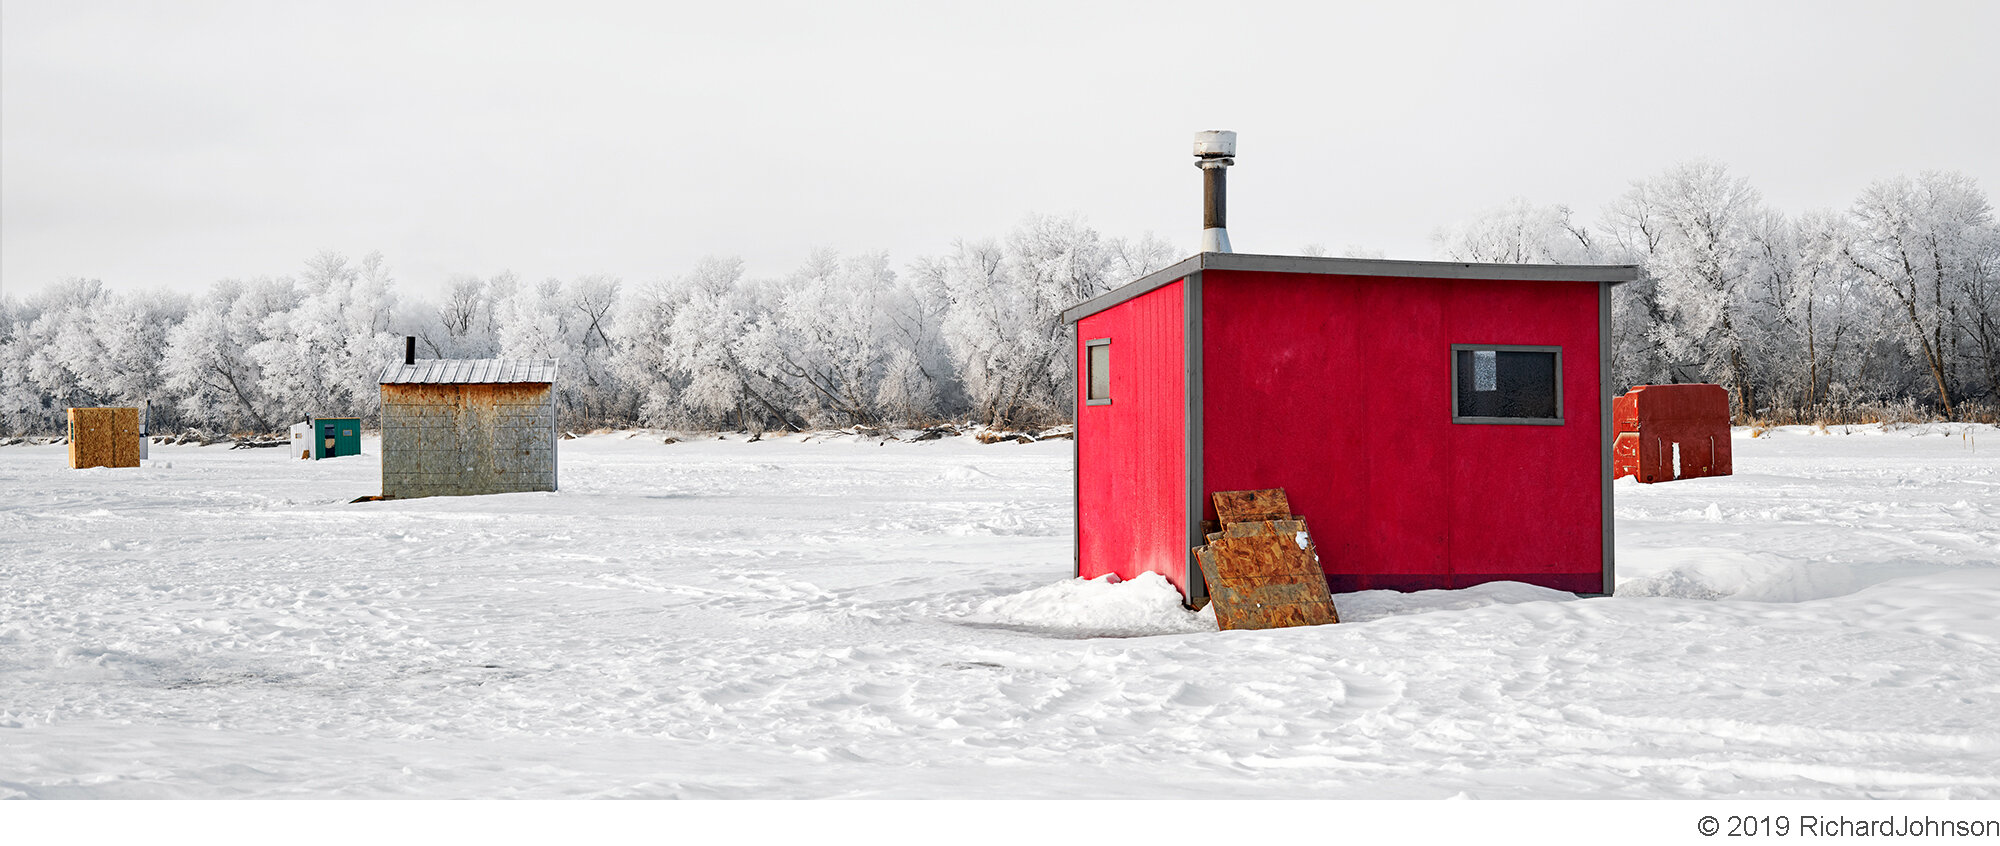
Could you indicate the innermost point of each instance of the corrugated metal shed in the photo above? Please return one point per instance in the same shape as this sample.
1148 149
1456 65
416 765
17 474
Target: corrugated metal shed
483 371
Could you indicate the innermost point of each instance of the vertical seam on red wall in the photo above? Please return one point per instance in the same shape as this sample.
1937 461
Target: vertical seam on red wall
1076 453
1191 357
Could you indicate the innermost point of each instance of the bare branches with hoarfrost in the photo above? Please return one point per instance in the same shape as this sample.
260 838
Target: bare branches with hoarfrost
1931 245
1701 254
1004 328
1519 232
321 357
1893 303
207 357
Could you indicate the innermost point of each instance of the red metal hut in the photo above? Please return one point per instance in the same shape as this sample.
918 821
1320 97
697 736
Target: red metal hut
1439 424
1669 432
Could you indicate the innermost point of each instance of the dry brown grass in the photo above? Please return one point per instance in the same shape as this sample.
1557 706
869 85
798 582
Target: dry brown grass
1904 412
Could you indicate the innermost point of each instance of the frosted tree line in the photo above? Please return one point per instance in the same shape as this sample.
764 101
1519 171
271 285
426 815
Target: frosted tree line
842 340
1889 306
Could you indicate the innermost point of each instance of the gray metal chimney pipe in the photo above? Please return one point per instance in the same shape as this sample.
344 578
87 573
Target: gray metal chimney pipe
409 349
1215 151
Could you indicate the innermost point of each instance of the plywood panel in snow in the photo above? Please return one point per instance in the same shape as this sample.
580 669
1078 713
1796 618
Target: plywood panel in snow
103 437
1265 574
1237 506
1278 590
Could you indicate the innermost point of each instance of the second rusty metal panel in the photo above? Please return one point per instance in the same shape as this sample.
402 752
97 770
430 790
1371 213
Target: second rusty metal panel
1237 506
1262 572
1669 432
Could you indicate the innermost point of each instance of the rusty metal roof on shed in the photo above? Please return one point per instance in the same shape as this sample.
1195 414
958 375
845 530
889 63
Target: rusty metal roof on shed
1334 266
474 371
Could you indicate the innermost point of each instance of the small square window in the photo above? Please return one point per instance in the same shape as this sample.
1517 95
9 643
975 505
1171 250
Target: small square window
1498 383
1097 371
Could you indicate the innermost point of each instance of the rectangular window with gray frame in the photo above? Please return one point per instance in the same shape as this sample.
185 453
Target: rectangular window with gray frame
1097 371
1504 383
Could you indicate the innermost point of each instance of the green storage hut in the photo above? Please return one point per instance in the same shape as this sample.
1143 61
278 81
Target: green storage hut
327 437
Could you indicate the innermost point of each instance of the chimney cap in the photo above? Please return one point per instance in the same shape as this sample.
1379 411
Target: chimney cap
1215 144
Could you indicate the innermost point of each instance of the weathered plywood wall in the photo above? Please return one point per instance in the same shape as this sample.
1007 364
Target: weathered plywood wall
103 437
455 440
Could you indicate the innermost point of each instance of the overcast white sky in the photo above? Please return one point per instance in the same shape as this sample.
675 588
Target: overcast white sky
173 144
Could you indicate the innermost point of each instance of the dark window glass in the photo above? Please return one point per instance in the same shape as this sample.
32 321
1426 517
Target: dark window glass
1509 384
1099 365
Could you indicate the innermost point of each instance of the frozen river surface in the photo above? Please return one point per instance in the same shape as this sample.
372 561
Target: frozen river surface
839 618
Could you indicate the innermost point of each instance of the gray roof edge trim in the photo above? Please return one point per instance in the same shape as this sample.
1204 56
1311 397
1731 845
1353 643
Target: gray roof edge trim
1339 266
1131 290
1333 266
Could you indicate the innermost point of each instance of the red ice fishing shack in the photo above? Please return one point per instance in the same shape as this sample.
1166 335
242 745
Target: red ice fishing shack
1440 424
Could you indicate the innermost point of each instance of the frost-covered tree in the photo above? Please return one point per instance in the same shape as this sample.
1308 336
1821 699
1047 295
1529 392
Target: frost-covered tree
1978 313
1004 327
87 346
1814 322
572 324
1628 237
1692 228
592 303
644 357
919 381
821 344
322 357
24 407
63 353
1131 258
988 316
208 361
711 313
1819 314
465 324
1928 244
1518 232
134 333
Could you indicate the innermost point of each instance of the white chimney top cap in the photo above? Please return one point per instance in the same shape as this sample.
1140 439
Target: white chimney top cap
1215 142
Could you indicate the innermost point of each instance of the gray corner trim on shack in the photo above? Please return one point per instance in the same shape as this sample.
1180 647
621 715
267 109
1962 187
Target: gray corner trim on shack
1191 432
1605 384
456 427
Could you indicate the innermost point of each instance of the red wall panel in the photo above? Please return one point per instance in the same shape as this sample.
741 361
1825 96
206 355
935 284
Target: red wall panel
1527 501
1131 455
1338 389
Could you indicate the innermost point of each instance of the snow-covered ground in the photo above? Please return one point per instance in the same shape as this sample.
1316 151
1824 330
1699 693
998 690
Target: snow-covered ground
841 618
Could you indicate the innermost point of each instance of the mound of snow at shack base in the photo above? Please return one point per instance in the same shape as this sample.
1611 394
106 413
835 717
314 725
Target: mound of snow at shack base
834 616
